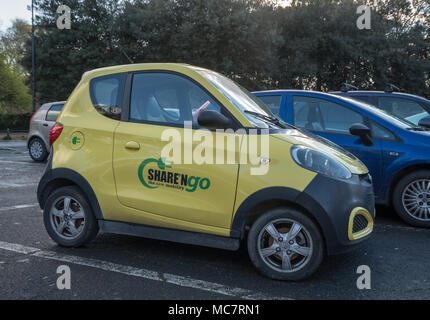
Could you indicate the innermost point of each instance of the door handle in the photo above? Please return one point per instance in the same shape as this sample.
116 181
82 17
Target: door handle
45 124
132 145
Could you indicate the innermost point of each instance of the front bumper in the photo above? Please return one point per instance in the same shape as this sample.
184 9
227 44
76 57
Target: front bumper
345 209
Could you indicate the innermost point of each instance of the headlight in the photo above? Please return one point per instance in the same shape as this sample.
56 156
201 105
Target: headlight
319 162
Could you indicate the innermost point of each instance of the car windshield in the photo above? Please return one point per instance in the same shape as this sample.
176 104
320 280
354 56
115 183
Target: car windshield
252 107
390 117
415 119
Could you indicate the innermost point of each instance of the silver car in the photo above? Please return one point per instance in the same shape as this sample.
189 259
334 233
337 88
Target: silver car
40 125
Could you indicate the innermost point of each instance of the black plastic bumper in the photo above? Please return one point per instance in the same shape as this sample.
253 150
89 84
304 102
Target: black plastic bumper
331 201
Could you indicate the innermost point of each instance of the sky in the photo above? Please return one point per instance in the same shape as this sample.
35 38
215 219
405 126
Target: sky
11 9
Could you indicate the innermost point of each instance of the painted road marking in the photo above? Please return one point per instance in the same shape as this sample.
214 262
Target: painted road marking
26 162
21 206
382 227
16 185
141 273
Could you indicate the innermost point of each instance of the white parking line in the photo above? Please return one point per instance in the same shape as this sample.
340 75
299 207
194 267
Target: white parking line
21 206
16 185
141 273
382 227
8 161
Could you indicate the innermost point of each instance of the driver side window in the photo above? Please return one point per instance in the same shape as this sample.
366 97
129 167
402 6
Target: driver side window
322 115
167 99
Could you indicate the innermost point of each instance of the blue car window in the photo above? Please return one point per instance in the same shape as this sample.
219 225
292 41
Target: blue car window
273 102
323 116
406 109
380 133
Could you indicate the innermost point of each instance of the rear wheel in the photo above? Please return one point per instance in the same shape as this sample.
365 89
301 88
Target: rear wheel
68 217
285 244
37 150
411 198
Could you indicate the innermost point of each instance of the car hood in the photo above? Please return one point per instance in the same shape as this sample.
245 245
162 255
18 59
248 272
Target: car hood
298 137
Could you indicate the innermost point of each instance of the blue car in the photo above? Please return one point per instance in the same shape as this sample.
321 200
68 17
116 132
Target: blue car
396 151
409 107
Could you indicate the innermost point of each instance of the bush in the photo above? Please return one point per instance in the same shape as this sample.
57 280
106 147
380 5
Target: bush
15 121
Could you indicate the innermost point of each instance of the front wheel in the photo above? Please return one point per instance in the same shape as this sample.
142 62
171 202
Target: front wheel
284 244
411 198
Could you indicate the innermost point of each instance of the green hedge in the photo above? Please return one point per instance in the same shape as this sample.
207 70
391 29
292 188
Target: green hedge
15 121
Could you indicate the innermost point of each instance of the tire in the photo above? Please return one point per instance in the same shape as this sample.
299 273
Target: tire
411 198
37 150
59 225
308 241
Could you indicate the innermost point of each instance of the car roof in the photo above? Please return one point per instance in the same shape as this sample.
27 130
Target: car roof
134 67
48 105
358 104
379 93
52 103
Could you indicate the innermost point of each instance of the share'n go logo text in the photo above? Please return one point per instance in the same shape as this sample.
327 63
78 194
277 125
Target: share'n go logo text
161 176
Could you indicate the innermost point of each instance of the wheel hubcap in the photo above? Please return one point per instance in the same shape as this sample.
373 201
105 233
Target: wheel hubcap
36 149
67 217
285 245
416 199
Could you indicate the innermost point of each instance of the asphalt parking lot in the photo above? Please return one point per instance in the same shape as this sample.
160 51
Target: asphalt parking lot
123 267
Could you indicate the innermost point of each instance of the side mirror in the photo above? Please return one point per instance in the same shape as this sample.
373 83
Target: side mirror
425 122
213 119
362 131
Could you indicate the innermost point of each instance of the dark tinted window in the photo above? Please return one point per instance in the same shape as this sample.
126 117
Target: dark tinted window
323 116
273 102
107 93
403 108
168 98
379 132
53 112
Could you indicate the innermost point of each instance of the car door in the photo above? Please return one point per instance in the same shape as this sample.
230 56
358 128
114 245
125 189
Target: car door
332 121
187 190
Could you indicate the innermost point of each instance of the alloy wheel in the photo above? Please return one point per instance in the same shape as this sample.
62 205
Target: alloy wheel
285 245
416 199
67 217
36 149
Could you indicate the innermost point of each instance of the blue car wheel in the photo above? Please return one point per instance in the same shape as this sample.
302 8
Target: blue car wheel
411 198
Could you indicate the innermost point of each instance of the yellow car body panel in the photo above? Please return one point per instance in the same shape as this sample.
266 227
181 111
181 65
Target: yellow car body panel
95 147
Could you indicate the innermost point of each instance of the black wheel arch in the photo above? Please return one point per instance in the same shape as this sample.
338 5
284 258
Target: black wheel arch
400 175
269 198
60 177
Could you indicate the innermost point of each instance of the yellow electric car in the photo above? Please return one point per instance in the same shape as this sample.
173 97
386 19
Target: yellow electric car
106 171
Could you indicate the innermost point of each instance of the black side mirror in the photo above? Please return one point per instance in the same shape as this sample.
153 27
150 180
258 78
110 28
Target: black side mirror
213 119
425 122
362 131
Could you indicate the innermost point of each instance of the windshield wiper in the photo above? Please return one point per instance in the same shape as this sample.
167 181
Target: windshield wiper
274 120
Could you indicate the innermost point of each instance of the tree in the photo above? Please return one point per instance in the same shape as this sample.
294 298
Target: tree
14 97
62 56
12 45
323 47
230 36
311 44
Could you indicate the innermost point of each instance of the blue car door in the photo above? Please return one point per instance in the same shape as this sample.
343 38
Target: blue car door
332 121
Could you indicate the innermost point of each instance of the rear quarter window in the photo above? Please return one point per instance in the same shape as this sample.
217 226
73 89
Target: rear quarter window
107 93
53 112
